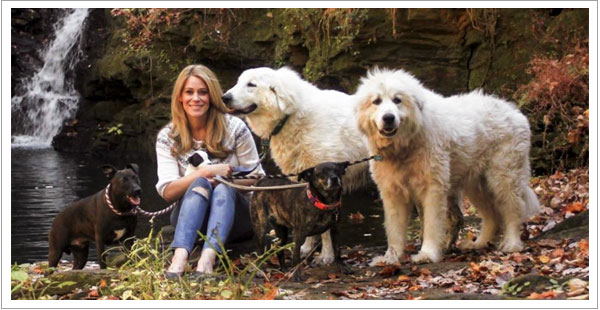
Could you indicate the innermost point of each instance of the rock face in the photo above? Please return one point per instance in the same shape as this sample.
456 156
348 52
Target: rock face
133 56
30 31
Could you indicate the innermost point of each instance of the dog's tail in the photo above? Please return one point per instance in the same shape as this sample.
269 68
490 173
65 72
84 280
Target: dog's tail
532 205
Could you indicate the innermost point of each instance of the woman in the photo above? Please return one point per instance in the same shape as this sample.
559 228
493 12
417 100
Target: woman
199 122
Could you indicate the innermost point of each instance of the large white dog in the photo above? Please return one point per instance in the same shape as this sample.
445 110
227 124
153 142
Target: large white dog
306 126
434 148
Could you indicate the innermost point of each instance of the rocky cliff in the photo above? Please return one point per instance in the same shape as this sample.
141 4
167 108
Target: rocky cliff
133 56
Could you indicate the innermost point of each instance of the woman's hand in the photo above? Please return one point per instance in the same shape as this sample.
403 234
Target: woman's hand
217 169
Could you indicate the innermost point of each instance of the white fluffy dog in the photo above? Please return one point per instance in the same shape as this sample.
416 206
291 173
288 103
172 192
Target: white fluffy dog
435 148
306 126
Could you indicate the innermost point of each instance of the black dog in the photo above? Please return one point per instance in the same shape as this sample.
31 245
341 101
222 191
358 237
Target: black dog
307 211
94 218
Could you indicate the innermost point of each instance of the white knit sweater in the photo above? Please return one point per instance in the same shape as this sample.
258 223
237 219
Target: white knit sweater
238 138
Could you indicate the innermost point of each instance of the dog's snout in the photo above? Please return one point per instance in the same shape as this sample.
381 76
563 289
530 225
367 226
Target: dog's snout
388 119
227 98
334 182
137 192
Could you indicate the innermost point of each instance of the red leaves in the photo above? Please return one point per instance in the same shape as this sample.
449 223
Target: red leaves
389 271
544 295
575 207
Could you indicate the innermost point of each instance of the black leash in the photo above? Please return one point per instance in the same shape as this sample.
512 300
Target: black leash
284 176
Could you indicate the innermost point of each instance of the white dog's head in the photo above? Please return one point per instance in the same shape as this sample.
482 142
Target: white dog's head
261 91
389 104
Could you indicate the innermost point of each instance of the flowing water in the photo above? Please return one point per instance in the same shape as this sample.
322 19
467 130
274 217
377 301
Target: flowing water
49 98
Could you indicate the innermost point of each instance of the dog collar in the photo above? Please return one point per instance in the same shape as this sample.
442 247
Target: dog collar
110 205
320 205
279 125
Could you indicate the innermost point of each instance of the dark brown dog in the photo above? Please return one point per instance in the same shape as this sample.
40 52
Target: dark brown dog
293 209
92 218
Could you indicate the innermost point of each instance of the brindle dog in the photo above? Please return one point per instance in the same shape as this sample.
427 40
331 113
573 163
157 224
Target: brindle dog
293 209
91 219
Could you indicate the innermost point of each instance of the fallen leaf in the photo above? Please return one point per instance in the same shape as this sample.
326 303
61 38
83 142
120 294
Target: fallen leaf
37 269
332 276
403 278
389 271
93 294
271 294
102 283
543 259
544 295
575 207
584 247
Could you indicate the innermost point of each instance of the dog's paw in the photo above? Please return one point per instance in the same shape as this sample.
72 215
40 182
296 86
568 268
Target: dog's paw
467 245
324 259
426 257
391 257
511 246
308 245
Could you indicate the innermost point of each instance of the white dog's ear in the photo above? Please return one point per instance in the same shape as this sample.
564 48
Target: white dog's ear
280 97
418 102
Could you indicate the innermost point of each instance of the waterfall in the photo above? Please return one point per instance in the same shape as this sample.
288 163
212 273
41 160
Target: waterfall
49 97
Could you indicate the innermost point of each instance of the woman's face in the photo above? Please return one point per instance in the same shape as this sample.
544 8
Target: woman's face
195 98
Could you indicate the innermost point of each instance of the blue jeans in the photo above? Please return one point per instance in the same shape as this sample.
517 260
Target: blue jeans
220 213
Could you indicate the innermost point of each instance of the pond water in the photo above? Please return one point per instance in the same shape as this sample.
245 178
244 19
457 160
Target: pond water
44 181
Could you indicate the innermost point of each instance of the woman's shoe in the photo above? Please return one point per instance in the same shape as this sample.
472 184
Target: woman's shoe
172 275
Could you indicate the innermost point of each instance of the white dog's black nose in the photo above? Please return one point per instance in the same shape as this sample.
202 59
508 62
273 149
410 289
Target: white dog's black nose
227 98
388 119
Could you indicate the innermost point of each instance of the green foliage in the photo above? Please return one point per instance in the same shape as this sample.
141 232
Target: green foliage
116 130
326 33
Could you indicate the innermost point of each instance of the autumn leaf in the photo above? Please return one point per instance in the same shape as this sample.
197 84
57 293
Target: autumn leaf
38 270
270 295
403 278
102 283
575 207
543 259
544 295
93 294
425 272
584 247
332 276
389 271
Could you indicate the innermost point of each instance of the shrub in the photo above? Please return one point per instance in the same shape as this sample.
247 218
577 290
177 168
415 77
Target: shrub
556 101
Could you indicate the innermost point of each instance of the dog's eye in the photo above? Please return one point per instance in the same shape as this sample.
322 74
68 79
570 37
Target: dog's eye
396 100
377 101
250 84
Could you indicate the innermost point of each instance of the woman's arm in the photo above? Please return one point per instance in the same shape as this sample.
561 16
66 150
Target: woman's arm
247 155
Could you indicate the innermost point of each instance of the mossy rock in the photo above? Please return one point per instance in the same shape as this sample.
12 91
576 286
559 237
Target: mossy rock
525 285
80 278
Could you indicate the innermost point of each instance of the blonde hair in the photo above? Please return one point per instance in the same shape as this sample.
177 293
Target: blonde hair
216 127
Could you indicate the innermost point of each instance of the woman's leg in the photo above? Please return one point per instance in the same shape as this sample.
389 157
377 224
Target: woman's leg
220 222
192 211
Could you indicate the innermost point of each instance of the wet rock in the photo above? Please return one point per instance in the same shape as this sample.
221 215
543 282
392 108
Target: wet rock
573 227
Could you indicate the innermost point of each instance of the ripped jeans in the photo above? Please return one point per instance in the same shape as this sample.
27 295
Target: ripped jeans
220 213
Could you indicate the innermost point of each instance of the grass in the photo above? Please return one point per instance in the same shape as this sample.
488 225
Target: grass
141 277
